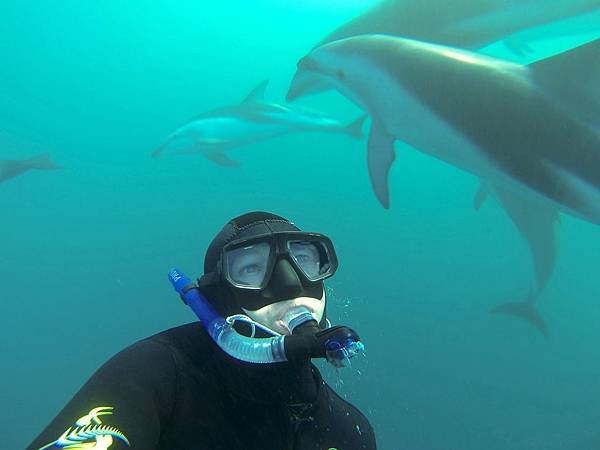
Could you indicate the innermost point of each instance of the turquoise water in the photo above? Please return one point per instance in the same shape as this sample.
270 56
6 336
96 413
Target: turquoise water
85 250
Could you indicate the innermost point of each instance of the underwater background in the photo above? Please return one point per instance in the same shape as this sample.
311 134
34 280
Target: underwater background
84 251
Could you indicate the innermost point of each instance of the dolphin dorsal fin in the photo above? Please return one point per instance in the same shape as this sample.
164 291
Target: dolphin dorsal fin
571 78
257 94
580 64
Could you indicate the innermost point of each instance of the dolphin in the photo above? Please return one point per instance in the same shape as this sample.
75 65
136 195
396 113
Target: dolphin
254 120
492 118
10 168
468 24
572 80
537 223
580 25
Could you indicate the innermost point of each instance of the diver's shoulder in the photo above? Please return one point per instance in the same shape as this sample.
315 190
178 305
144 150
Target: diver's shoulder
190 342
188 335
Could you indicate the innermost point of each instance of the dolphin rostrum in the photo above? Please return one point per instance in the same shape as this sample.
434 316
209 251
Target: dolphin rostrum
254 120
10 168
495 119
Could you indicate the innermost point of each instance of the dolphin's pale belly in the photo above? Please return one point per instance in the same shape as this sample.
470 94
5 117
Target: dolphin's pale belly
230 131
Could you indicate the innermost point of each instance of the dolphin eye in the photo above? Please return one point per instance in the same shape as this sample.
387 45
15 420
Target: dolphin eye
341 75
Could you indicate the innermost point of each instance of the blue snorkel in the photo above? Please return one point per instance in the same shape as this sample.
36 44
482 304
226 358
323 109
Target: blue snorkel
337 344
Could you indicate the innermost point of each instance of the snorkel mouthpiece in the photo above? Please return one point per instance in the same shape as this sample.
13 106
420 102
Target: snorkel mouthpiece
337 344
298 317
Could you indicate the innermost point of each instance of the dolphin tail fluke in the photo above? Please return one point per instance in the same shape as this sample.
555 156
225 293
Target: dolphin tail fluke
43 162
525 310
355 129
221 159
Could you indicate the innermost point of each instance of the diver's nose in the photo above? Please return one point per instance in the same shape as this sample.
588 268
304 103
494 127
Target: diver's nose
284 284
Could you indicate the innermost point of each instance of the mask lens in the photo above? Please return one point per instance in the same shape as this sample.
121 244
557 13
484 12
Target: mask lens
247 265
311 257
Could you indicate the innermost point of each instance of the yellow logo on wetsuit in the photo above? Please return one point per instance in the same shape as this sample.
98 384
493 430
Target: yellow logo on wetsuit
89 433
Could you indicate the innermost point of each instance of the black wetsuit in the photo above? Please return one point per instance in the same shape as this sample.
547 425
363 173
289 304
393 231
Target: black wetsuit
178 391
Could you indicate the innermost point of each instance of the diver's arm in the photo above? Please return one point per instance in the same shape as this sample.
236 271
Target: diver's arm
127 401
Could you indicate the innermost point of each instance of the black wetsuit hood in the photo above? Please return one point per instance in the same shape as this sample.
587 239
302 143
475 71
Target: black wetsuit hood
228 300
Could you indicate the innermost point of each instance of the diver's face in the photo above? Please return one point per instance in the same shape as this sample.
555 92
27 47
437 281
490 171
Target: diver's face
273 276
276 315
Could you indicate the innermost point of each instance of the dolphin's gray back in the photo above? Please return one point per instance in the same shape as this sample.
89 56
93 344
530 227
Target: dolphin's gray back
468 24
417 19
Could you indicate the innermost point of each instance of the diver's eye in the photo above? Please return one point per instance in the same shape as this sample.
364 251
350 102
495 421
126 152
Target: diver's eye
304 258
251 269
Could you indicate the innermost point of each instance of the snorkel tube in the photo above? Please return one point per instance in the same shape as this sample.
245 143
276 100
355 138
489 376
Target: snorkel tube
337 344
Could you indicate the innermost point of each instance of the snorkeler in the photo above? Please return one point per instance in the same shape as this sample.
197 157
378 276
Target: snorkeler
244 379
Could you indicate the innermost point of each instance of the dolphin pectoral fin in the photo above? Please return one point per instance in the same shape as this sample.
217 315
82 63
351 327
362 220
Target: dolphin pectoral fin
221 159
525 310
257 94
380 156
537 224
480 197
